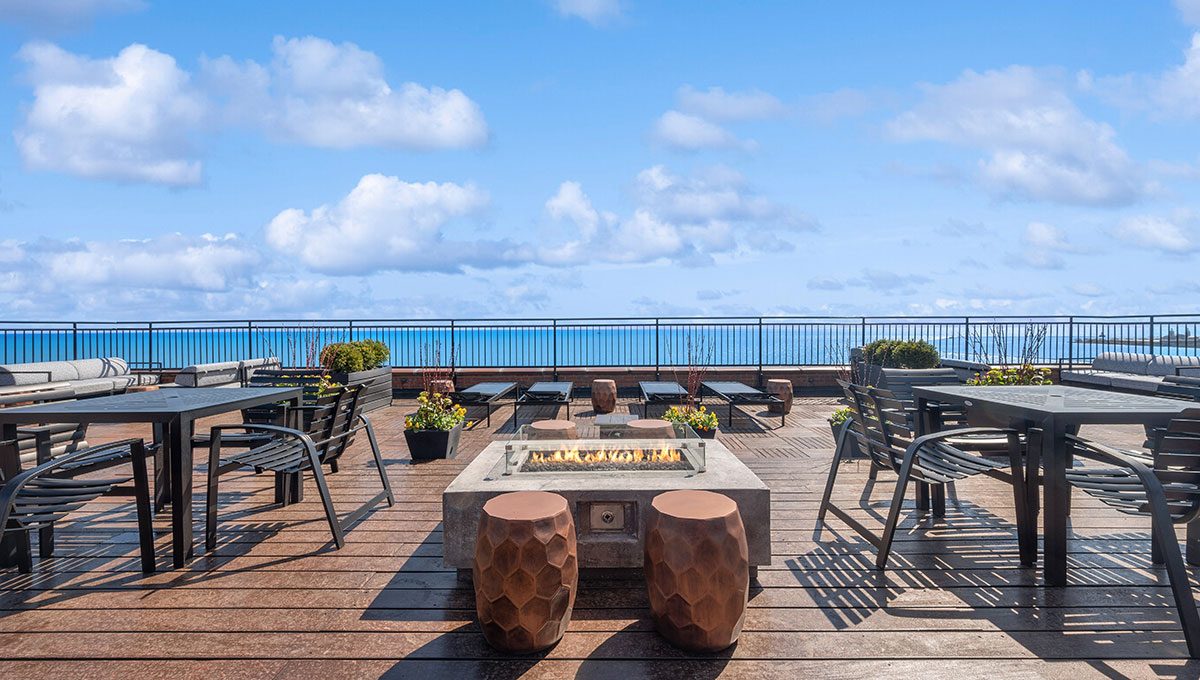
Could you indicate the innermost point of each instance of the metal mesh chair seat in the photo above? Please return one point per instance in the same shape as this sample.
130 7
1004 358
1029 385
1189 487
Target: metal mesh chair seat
1164 485
277 455
885 428
37 498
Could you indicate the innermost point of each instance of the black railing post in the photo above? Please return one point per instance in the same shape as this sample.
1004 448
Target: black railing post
1152 336
554 346
453 352
657 342
74 340
1070 343
760 352
862 332
350 331
966 338
150 345
250 341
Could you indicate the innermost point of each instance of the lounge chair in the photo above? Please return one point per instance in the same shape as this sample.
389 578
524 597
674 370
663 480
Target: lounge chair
657 392
485 394
741 394
543 393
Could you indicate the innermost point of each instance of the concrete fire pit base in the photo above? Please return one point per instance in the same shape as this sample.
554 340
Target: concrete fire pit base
610 508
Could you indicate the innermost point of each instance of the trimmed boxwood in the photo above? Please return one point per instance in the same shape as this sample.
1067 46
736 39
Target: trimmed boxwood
901 354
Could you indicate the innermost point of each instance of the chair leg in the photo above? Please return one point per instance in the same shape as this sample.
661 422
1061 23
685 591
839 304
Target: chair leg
1181 589
1026 530
833 470
889 529
141 490
1157 552
323 489
939 499
210 499
24 553
46 542
387 486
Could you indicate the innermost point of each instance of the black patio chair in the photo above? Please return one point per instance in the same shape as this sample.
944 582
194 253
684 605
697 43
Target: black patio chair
882 428
328 430
1164 485
40 496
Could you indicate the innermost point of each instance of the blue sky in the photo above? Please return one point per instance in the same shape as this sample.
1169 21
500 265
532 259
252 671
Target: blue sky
597 157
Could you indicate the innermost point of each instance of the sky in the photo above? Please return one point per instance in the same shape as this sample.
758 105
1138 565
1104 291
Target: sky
594 158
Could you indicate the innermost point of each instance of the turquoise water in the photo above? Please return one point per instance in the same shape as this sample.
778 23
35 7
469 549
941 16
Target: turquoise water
635 344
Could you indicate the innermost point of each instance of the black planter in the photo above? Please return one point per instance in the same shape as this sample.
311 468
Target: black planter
379 380
707 434
433 444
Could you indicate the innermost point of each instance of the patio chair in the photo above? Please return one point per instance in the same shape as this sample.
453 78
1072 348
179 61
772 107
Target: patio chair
882 428
328 430
40 496
1164 485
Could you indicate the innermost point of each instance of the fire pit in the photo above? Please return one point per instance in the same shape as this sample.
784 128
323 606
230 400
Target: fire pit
608 484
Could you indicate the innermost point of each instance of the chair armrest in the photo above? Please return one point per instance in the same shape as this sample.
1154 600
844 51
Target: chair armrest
14 486
1106 454
215 433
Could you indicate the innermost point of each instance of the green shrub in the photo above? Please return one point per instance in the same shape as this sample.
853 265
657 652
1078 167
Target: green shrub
901 354
1020 375
361 355
840 416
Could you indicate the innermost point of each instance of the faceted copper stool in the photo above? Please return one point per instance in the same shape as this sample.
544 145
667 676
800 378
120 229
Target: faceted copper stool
783 389
441 386
697 569
552 429
526 570
604 396
650 428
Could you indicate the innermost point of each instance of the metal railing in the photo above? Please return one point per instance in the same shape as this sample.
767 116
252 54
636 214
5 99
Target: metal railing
753 342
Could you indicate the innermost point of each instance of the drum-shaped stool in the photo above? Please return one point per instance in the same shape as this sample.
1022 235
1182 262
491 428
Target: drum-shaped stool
552 429
649 428
781 388
441 386
697 569
526 570
604 396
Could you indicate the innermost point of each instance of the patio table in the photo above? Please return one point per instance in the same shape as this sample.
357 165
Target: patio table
1057 410
173 412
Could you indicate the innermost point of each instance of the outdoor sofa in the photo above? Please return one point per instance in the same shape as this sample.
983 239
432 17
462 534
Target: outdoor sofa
224 374
84 377
1140 373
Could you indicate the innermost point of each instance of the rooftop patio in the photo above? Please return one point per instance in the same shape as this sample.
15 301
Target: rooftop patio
276 600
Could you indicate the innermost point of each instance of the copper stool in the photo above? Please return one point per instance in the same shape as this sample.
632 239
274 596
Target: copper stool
649 428
551 429
697 569
526 570
604 396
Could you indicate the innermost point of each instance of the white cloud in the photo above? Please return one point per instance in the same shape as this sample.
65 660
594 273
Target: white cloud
321 94
174 261
59 14
715 104
385 223
827 107
686 220
692 133
1174 93
1189 10
1041 146
595 12
1044 245
1157 233
127 118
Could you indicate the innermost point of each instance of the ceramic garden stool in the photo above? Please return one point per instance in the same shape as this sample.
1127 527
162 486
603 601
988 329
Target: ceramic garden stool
552 429
604 396
441 386
782 389
697 569
649 428
526 570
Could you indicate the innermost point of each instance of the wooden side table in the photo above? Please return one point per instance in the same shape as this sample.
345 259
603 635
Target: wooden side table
781 388
526 570
697 569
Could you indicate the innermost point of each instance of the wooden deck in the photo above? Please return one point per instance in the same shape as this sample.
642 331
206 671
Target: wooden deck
276 601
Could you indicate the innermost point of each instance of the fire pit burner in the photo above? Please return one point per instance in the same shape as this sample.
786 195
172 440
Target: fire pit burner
575 459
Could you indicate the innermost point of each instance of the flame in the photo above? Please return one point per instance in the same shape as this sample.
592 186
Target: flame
621 456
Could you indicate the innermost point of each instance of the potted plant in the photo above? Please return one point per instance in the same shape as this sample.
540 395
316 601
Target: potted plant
433 431
1025 374
363 362
881 354
837 419
703 421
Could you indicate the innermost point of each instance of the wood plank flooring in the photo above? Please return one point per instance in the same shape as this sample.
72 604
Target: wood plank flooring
274 600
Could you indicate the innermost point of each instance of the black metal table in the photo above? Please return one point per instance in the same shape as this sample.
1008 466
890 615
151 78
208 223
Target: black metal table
172 411
1056 410
658 392
542 393
741 394
484 394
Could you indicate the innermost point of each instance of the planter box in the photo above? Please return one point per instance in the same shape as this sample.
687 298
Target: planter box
707 434
433 444
378 394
